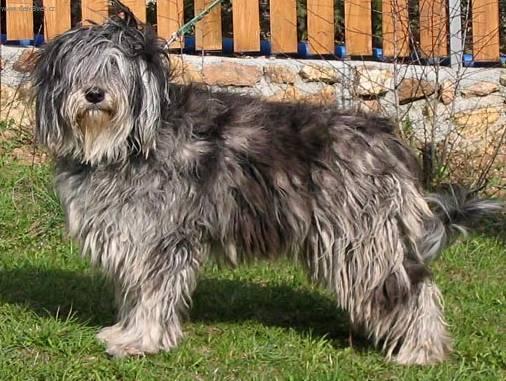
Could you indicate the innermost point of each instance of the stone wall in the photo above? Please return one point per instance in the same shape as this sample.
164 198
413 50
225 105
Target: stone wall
465 107
423 95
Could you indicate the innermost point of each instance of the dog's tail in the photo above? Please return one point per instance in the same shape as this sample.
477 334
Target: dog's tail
455 211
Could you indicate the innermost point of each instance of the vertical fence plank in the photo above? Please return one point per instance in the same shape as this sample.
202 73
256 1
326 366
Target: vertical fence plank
395 28
485 30
19 19
138 7
169 18
246 20
433 28
320 26
358 27
94 10
56 17
208 30
283 15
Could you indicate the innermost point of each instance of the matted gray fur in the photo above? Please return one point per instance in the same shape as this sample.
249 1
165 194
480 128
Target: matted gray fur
156 178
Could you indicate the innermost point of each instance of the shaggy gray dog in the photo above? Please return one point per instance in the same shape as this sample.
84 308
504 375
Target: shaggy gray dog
156 178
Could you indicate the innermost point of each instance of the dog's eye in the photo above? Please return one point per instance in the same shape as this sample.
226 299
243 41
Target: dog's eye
113 64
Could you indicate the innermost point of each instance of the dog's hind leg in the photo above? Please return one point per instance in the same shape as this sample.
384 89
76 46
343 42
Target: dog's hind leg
155 295
366 261
419 327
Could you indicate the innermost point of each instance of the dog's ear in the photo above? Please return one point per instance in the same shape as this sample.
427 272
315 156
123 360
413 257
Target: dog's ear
153 47
154 88
49 125
122 13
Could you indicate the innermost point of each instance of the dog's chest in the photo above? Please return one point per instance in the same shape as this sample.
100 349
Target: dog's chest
108 207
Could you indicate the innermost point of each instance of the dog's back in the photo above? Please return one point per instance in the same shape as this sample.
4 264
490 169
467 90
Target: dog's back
272 163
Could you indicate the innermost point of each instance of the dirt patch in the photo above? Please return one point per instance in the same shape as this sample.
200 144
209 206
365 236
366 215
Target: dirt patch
16 126
28 155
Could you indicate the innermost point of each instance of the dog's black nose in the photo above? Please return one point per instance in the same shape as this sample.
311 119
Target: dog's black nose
94 95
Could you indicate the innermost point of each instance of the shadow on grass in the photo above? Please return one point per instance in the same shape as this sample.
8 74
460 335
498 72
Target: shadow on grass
88 299
493 227
49 292
306 311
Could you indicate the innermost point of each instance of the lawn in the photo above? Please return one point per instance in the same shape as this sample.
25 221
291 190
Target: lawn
262 322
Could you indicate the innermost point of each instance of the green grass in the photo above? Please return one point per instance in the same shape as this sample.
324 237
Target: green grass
262 322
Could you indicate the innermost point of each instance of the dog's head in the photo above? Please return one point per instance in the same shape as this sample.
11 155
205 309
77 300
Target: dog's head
99 90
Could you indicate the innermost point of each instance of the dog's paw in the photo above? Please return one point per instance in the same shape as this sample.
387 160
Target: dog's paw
123 350
121 343
422 356
106 334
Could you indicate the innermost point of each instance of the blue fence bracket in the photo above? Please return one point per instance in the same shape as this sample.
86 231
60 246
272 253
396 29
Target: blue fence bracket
227 45
340 51
303 49
467 60
265 47
377 54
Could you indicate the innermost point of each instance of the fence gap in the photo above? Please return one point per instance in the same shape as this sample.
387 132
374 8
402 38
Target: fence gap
485 30
320 26
94 10
19 19
433 28
208 30
358 27
395 28
246 24
284 26
152 13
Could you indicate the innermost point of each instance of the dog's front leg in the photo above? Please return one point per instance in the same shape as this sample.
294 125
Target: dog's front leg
154 294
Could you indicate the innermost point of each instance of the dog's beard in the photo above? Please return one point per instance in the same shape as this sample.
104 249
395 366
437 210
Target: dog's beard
100 130
93 124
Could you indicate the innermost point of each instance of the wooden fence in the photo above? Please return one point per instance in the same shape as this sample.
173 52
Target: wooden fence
432 38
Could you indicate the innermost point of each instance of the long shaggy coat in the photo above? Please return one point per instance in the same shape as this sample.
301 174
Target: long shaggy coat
155 179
